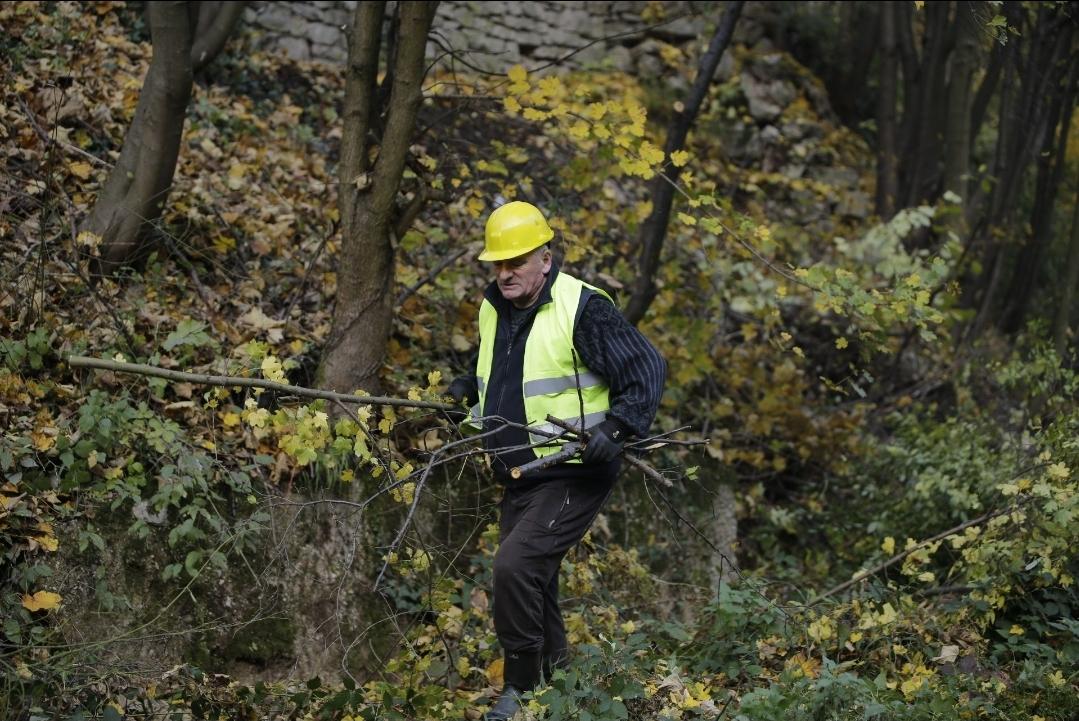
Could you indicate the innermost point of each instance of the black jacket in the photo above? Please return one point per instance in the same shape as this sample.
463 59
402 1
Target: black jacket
607 345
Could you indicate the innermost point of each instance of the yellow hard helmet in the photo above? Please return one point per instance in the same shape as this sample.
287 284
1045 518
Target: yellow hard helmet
514 229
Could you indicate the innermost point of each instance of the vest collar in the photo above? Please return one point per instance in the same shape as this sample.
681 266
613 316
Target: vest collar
494 295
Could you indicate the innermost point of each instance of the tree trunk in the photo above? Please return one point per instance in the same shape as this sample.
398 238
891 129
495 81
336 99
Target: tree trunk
723 564
135 192
957 128
1071 278
920 168
363 312
1051 162
1021 133
654 228
887 177
986 89
217 20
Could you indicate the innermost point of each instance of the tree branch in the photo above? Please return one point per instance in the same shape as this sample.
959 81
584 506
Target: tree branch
76 361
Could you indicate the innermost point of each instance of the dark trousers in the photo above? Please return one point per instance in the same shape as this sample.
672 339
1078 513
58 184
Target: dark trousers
539 524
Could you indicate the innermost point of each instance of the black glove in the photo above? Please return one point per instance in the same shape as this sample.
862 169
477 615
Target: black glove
460 391
605 443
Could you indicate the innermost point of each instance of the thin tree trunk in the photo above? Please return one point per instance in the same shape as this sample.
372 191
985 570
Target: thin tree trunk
923 153
1018 139
957 128
986 89
723 565
217 20
654 228
1071 278
363 313
887 172
1051 162
135 192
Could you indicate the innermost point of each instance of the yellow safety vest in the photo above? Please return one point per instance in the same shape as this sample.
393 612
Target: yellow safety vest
549 381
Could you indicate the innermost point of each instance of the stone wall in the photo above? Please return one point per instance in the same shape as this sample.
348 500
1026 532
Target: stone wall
496 34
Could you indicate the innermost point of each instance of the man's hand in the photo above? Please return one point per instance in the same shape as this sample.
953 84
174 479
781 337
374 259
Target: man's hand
605 442
459 391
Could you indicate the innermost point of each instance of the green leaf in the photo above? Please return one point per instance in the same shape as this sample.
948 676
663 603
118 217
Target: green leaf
188 332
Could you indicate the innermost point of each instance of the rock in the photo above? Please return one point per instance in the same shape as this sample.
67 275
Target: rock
619 58
839 177
854 204
793 170
294 47
762 105
771 135
725 69
683 29
649 64
322 34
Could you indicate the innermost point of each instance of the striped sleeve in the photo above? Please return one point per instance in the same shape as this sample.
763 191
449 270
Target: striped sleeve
634 370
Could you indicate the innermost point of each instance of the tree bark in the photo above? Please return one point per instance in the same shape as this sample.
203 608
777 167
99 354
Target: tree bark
136 189
654 228
217 20
1071 278
1051 161
363 313
723 564
920 166
1022 130
887 172
957 141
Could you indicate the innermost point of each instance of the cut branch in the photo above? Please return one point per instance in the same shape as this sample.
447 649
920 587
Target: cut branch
76 361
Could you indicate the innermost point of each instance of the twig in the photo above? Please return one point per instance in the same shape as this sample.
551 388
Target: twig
307 271
443 264
76 361
569 450
648 470
59 143
903 554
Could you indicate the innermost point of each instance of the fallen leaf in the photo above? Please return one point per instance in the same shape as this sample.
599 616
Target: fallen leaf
80 169
41 601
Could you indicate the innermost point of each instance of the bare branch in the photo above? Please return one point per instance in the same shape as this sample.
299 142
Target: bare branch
76 361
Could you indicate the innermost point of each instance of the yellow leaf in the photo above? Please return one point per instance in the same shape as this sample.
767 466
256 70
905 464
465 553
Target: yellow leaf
434 378
80 169
511 104
1059 471
841 343
49 543
687 219
888 546
518 74
1016 630
88 238
494 672
679 158
41 441
347 475
230 419
41 601
385 425
414 394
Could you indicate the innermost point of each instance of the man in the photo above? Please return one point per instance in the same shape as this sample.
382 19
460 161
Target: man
549 344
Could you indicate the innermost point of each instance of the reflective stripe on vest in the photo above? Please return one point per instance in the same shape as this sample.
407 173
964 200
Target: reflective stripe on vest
551 384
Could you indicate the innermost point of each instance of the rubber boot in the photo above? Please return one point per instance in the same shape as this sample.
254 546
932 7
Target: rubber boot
521 674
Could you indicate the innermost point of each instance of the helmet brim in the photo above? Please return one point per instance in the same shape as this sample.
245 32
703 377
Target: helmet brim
493 255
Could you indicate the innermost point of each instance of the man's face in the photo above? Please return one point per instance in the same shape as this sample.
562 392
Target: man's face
521 279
